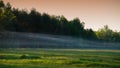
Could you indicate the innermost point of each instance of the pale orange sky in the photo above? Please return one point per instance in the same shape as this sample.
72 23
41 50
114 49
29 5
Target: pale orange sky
95 13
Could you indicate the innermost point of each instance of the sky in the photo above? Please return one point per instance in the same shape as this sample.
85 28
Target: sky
95 13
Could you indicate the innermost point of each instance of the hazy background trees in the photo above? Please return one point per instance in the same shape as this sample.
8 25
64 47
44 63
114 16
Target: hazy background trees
13 19
107 34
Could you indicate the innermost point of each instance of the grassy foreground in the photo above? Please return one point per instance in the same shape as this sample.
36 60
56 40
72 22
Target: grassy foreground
58 58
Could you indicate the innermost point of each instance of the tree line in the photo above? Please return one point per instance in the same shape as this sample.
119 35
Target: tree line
13 19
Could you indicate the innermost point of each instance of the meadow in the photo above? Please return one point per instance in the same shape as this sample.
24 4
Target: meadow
58 58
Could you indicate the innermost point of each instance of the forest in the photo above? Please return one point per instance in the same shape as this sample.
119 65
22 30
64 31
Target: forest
16 20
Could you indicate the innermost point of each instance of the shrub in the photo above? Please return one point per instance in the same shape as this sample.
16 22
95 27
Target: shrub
23 56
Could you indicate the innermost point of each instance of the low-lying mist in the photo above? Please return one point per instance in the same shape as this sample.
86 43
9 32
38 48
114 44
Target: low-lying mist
35 40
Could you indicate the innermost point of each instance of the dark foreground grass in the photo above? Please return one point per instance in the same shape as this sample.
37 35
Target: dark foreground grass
58 58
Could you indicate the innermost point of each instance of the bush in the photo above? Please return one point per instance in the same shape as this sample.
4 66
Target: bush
29 57
23 56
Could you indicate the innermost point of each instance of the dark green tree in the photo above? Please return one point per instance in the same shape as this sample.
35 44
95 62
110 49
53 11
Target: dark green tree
6 16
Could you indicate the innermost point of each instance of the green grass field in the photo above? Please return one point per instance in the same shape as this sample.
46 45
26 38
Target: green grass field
58 58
